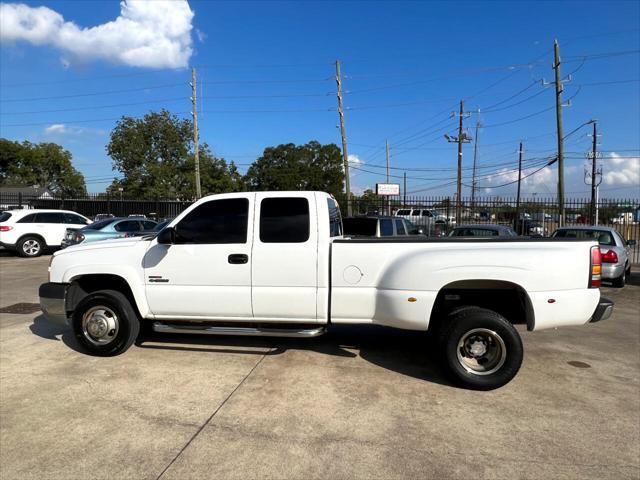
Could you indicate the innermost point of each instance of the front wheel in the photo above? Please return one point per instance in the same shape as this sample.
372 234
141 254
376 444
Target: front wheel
105 323
480 349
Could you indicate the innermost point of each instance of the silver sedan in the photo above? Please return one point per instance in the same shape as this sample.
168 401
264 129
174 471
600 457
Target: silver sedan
615 250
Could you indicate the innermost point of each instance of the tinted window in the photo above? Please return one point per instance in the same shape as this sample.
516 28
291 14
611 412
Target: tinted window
386 227
601 236
403 212
335 219
217 221
4 216
284 220
49 217
364 227
127 226
27 219
147 225
99 225
74 219
400 228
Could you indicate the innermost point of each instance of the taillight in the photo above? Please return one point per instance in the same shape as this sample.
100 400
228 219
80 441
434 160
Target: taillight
610 257
595 267
5 228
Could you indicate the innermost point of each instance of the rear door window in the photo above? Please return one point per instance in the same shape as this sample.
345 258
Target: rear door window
27 219
386 227
49 217
400 228
147 225
284 220
403 212
335 219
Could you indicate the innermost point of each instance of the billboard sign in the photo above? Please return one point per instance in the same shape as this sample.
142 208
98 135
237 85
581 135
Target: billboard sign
388 189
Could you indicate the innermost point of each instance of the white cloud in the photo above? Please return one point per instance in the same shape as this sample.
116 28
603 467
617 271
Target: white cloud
152 34
355 160
59 129
200 35
621 171
543 178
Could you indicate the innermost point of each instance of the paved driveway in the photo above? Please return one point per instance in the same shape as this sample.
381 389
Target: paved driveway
358 403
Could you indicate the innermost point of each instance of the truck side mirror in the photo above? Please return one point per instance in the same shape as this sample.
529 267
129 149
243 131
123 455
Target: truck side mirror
167 236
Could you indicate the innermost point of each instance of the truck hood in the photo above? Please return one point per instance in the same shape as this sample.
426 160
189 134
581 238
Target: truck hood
102 245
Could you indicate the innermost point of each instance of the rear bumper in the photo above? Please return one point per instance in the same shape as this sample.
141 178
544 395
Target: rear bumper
8 246
612 270
603 310
52 302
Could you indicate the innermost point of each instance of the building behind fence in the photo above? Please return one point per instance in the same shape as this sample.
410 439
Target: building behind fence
622 214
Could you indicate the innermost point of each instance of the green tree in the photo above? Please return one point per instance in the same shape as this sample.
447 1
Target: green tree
155 156
43 164
312 166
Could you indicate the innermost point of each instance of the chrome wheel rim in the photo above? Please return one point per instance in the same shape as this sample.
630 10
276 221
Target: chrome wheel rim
31 247
100 325
481 351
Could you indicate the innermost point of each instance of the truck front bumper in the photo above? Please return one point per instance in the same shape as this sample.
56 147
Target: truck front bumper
52 302
603 310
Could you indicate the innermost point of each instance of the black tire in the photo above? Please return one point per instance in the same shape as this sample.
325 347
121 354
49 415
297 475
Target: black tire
491 331
30 246
620 281
121 312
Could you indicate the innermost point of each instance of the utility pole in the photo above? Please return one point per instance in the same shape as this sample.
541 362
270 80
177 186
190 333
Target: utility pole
474 182
404 190
594 156
595 175
388 177
558 84
519 224
460 139
194 114
343 133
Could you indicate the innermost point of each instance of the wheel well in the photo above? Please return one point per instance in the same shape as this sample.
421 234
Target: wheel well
508 299
86 284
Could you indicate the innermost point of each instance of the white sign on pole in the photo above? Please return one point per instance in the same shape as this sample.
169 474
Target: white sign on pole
387 189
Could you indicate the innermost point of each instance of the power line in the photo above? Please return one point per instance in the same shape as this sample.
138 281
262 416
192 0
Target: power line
91 94
96 107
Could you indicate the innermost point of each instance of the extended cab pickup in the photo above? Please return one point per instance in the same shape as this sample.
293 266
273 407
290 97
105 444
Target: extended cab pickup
276 263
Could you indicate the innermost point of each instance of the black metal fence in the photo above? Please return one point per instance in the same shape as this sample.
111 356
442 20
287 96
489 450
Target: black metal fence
435 214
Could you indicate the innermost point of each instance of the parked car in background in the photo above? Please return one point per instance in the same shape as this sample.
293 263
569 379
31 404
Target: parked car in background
31 232
482 230
531 228
614 249
103 216
372 226
107 229
138 215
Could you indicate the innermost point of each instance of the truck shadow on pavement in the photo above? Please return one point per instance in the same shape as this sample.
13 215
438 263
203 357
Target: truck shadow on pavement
408 353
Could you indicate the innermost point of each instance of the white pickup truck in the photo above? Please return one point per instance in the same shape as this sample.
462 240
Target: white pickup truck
277 264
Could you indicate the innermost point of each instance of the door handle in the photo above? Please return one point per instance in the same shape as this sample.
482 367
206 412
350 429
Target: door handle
238 258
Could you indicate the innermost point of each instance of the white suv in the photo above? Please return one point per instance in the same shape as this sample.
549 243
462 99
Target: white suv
30 232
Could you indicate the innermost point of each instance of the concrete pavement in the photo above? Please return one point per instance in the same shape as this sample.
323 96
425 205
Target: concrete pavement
358 403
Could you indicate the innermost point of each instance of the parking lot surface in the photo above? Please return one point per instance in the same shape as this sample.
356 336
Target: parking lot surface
360 402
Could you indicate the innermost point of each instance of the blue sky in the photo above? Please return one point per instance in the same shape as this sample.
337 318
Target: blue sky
267 70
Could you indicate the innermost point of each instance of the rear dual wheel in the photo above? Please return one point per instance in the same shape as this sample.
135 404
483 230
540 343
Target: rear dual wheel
480 349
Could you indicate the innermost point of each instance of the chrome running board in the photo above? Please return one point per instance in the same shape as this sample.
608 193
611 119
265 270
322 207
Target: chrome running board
243 331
